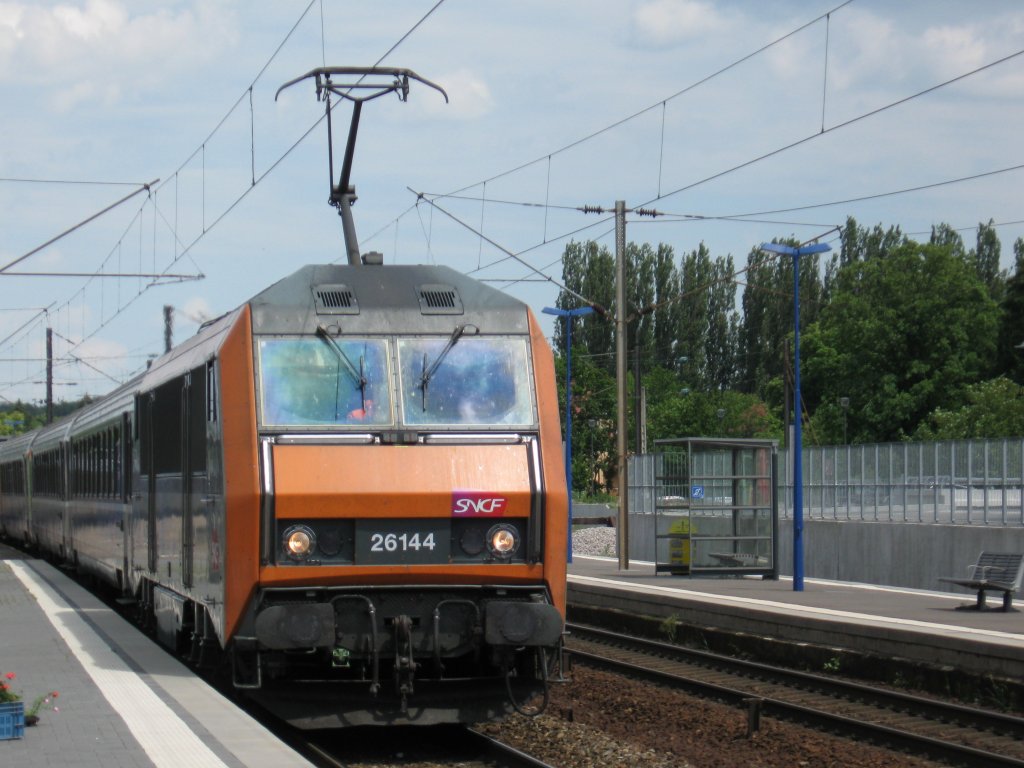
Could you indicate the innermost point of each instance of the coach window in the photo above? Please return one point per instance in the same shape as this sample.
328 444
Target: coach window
211 392
115 463
94 461
197 416
108 463
73 468
80 467
166 427
93 464
104 462
319 381
41 474
473 382
90 462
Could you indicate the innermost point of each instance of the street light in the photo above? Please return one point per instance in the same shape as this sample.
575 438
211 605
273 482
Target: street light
798 471
844 403
568 314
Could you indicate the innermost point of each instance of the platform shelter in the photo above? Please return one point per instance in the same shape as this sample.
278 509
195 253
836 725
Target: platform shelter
716 507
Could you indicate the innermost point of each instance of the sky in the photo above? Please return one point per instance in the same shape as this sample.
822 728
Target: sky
740 121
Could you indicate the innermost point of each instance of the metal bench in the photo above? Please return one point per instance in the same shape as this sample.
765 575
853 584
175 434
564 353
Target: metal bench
739 559
994 571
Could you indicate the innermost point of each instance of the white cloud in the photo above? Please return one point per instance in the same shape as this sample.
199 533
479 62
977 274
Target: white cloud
79 49
468 96
101 349
959 49
664 22
872 52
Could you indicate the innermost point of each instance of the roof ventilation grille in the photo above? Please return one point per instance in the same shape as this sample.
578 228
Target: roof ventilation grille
335 300
439 299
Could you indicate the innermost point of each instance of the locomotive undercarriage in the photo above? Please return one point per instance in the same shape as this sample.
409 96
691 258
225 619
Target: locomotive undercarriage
325 658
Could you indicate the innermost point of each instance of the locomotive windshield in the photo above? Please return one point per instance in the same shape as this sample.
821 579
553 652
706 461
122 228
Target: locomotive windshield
319 381
476 382
323 381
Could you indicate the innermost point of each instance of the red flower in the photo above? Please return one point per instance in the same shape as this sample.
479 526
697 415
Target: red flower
54 695
10 675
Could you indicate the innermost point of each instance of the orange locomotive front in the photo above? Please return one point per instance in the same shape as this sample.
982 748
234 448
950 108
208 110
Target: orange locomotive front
348 493
394 499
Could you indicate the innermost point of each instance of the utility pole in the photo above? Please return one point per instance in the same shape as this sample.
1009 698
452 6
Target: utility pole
168 327
621 372
49 375
622 542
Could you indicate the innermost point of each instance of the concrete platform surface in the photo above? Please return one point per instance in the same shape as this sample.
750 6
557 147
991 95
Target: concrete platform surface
123 701
935 628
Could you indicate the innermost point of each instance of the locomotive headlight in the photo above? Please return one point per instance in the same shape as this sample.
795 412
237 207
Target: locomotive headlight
503 540
299 542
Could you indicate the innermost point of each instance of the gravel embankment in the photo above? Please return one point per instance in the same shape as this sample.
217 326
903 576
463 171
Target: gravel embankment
597 540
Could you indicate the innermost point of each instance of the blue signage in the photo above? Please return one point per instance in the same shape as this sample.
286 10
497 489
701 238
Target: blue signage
697 492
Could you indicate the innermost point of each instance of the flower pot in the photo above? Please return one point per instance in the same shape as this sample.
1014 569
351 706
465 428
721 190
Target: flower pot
31 720
12 720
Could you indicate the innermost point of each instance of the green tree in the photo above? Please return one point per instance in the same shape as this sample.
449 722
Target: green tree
696 414
944 235
768 315
593 420
696 276
985 258
588 270
13 422
993 408
640 298
720 340
667 348
1011 322
903 335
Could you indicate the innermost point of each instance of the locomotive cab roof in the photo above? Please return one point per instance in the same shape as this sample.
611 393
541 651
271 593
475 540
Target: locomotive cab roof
405 299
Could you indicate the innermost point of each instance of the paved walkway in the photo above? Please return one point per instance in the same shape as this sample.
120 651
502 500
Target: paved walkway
938 628
124 702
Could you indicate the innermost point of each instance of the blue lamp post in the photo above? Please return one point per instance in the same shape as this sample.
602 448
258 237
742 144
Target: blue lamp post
568 314
798 471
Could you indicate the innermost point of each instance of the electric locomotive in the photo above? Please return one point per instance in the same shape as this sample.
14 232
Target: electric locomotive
348 493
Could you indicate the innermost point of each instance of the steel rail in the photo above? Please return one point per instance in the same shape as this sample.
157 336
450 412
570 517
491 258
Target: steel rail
746 681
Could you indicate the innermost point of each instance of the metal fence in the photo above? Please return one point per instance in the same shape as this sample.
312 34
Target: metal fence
967 482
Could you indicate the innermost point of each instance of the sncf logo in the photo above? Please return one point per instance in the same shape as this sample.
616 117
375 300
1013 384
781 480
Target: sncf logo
476 504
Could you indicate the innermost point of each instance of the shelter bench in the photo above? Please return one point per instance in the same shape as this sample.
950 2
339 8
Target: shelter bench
995 572
739 559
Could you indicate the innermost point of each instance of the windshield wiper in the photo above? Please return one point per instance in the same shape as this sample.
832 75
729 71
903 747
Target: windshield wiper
428 373
358 377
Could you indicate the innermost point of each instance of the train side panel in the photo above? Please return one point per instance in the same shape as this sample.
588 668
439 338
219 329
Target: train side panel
49 507
238 531
176 560
14 488
97 484
556 502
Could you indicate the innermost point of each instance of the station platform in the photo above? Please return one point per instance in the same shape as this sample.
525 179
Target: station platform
935 629
123 701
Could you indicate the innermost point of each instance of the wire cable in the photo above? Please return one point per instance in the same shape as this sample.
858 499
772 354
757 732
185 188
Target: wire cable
838 126
658 103
79 225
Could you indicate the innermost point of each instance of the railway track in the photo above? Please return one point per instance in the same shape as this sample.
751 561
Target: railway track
421 745
942 731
